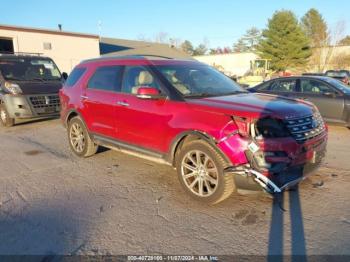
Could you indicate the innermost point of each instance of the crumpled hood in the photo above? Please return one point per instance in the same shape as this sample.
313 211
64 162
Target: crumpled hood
254 105
37 87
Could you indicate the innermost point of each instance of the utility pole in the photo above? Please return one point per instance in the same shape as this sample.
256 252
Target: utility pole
99 25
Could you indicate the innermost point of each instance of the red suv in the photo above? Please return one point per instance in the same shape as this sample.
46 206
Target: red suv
218 137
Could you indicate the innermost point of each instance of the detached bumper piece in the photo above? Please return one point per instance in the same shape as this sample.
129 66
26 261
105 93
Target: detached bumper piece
264 182
279 182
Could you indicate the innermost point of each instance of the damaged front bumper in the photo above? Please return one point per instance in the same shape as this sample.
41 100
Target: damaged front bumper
275 164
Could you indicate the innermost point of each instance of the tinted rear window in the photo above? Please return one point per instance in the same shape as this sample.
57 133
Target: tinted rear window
106 78
75 76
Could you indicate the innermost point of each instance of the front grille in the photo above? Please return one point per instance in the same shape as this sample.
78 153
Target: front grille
305 128
44 104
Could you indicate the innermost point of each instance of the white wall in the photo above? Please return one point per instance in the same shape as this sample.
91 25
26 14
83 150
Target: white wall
234 64
67 51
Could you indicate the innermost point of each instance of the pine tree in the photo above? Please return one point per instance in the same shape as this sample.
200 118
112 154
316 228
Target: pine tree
284 42
187 47
315 28
201 49
240 46
249 41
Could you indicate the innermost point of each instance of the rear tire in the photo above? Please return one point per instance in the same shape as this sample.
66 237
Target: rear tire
5 118
200 168
79 139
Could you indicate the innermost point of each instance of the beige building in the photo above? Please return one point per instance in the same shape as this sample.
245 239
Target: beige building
234 64
66 48
238 64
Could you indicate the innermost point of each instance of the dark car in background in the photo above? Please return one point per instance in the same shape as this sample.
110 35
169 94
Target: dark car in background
29 86
341 75
331 96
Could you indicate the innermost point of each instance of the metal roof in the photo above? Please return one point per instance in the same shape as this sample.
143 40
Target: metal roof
133 57
122 47
45 31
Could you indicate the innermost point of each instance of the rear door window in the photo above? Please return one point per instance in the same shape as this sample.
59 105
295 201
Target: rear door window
74 76
314 87
107 78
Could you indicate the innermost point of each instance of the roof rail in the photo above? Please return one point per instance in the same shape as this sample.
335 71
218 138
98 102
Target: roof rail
20 53
159 56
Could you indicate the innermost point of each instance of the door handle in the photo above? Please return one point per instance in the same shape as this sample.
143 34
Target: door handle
83 97
121 103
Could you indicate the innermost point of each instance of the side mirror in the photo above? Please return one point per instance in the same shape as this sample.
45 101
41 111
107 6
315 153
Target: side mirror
144 92
64 76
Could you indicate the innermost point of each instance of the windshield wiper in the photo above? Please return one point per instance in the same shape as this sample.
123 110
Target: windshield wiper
36 78
234 93
199 95
14 78
212 94
52 79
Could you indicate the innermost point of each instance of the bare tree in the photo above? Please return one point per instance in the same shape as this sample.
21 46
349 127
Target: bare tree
143 37
335 37
161 37
175 42
322 55
341 61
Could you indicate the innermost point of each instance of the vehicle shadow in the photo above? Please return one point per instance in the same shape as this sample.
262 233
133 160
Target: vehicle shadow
45 229
102 149
277 225
287 203
22 122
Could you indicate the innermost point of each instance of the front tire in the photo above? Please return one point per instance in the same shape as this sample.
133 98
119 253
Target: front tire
200 168
5 118
79 139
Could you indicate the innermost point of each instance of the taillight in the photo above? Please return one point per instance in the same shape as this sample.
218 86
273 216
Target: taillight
243 125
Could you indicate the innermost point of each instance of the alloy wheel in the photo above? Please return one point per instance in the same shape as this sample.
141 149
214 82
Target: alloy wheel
77 138
199 173
3 115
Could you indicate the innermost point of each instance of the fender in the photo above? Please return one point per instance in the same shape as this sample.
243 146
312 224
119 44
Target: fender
180 137
69 113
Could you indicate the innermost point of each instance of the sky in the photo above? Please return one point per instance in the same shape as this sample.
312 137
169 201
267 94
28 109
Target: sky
216 22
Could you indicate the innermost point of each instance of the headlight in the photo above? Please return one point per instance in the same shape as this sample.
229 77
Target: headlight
243 125
12 88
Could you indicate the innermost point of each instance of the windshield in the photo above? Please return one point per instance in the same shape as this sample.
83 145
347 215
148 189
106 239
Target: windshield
339 85
193 80
27 69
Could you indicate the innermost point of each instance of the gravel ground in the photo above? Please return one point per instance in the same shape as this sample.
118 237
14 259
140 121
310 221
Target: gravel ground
52 202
